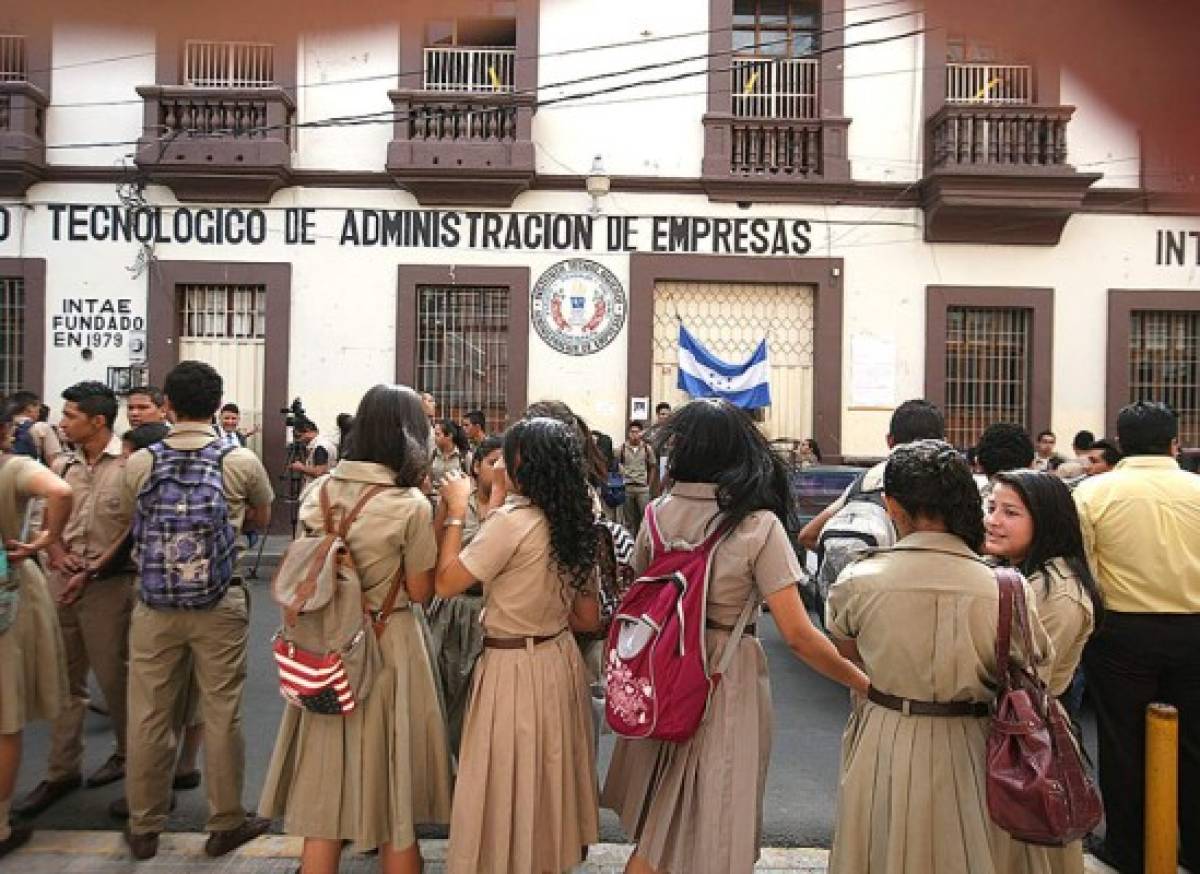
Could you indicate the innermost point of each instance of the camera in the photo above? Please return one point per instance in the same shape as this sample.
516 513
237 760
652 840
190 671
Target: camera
294 413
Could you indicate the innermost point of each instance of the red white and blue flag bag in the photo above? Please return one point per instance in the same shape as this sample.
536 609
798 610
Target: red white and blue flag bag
656 678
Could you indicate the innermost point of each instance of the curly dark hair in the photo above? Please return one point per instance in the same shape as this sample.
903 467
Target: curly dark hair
1004 446
595 467
712 441
1056 531
930 479
544 461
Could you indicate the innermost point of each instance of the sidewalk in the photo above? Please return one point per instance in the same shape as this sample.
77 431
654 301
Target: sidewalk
93 852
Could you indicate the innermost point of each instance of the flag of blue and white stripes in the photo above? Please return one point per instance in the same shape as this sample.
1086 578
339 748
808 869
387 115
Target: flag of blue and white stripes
703 375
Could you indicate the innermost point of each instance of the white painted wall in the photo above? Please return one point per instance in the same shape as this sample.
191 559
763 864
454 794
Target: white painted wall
1099 140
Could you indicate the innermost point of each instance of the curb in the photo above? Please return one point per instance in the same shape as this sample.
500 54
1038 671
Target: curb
105 851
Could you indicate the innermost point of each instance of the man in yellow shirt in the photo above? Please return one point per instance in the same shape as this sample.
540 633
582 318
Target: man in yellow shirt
1141 529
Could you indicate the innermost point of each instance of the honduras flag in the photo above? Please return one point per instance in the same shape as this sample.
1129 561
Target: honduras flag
703 375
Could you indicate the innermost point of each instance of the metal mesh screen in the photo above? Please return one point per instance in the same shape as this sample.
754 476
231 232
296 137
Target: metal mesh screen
12 335
1164 365
223 312
462 350
987 370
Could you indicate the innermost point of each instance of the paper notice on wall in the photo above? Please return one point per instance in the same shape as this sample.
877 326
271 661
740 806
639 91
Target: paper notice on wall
872 371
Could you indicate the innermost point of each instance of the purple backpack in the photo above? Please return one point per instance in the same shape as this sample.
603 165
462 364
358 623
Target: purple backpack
182 536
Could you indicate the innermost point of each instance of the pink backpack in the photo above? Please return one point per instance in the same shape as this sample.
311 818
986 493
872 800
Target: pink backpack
656 679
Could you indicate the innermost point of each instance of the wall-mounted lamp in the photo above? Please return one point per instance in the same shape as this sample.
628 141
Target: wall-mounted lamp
598 184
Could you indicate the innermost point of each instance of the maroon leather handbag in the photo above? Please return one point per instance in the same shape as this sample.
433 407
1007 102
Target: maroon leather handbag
1038 789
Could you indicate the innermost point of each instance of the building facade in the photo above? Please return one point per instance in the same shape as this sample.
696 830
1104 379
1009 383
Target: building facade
898 208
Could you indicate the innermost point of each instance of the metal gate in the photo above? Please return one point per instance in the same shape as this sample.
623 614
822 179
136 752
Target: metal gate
462 350
225 326
730 319
12 335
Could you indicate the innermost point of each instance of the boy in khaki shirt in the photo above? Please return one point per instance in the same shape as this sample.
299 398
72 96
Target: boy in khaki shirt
161 638
94 601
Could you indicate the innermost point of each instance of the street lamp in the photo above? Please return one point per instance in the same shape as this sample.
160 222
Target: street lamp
597 184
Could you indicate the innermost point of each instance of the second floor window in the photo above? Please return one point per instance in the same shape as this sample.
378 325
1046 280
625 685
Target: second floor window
473 55
774 65
223 64
13 65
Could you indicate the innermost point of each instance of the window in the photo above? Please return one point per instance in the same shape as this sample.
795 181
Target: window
14 67
774 67
12 335
1164 365
987 363
462 350
222 64
976 73
229 312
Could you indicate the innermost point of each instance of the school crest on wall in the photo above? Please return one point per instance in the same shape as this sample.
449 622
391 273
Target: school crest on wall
578 306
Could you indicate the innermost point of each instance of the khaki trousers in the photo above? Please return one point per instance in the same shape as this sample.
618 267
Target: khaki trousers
95 631
159 644
636 499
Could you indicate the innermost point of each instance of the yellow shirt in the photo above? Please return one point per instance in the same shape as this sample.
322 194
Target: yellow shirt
1141 530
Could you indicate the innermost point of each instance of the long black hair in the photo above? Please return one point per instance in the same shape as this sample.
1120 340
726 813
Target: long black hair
712 441
543 459
1056 531
455 432
930 479
594 465
390 428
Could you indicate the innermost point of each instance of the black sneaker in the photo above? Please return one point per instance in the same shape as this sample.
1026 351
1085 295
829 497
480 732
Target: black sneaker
18 837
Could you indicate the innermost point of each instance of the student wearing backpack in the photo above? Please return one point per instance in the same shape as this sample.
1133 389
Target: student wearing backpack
526 798
696 806
32 436
190 496
368 777
33 672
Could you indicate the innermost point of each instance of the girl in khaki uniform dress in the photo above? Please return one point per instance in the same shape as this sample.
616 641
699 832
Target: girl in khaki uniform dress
922 619
526 799
696 807
371 776
33 668
1033 525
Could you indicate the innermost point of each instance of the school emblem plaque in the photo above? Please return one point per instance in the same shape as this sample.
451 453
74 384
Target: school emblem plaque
578 306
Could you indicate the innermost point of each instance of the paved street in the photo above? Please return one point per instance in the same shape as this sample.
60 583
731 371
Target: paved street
801 790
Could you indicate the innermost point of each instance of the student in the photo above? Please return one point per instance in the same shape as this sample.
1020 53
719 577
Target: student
33 674
639 465
454 622
210 622
450 451
1046 458
526 802
697 806
230 432
1003 446
94 599
371 776
145 405
921 618
1103 455
1032 525
32 435
319 453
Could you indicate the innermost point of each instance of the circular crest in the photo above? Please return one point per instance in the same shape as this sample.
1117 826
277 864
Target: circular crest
578 306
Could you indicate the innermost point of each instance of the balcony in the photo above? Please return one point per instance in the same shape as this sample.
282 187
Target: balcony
217 144
773 141
466 137
22 136
996 166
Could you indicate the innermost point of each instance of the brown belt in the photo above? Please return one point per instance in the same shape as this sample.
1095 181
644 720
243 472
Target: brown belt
720 626
518 642
909 707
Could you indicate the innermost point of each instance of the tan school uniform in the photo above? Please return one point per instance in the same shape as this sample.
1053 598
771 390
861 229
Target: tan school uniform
95 628
456 633
1067 615
33 668
912 794
696 807
372 776
160 642
526 799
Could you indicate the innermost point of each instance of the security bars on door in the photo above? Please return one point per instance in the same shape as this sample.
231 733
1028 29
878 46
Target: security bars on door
987 370
209 64
223 312
13 66
12 335
1164 365
462 350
